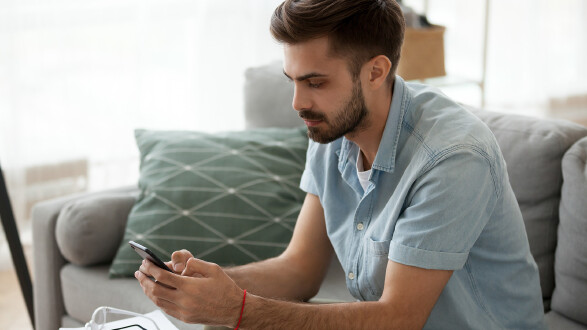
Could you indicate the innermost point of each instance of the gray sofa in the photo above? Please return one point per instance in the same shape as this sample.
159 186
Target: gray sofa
76 237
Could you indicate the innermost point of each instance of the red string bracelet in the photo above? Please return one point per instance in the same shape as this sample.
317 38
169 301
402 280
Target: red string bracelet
242 309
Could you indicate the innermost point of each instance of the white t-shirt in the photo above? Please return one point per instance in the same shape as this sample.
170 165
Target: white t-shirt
363 175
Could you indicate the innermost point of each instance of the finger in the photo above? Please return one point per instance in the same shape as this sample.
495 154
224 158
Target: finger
144 270
156 293
146 283
156 290
200 268
169 265
160 275
179 259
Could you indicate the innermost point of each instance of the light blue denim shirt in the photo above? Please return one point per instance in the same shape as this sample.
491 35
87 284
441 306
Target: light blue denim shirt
439 198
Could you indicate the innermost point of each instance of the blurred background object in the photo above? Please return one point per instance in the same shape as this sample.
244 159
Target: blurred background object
12 236
422 53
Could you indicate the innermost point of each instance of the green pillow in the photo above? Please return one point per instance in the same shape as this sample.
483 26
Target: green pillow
229 198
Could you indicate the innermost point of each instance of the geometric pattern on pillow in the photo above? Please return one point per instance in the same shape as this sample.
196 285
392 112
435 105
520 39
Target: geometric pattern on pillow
229 198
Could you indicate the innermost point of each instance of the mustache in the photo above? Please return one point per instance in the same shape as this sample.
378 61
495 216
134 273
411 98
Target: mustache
311 115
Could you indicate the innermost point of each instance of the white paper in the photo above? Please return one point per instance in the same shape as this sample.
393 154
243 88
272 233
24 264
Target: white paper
162 322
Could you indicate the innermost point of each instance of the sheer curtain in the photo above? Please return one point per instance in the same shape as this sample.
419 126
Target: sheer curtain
535 56
77 77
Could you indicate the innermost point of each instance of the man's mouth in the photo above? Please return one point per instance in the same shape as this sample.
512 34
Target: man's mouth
311 123
311 119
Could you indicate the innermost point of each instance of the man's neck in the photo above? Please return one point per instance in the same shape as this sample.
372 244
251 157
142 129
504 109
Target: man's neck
369 137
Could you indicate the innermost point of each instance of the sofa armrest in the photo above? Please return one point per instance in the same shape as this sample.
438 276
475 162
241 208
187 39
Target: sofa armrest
89 230
48 260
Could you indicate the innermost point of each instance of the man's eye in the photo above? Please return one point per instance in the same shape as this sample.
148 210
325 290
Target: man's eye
314 85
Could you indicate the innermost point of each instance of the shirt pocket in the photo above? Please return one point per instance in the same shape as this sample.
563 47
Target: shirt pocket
375 266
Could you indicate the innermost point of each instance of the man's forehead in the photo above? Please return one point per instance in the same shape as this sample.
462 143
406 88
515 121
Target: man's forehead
310 58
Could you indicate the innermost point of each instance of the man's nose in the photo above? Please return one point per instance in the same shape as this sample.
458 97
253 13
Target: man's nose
300 100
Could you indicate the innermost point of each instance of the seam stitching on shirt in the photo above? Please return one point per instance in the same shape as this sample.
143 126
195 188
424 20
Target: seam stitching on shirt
405 104
477 294
360 257
361 247
370 213
420 138
435 159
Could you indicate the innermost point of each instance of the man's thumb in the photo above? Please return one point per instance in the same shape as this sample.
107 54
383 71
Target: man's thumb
198 268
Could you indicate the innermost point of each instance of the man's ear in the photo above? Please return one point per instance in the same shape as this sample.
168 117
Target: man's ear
378 68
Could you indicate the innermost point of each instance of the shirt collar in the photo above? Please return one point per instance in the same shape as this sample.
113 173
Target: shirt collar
386 153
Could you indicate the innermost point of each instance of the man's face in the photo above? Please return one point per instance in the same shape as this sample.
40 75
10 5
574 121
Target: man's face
326 97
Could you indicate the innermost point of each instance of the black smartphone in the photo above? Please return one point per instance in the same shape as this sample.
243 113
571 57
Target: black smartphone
145 253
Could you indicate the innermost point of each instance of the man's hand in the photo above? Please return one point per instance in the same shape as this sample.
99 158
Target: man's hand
179 260
203 293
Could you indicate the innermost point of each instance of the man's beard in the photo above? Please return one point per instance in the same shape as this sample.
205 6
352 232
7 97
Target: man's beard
349 120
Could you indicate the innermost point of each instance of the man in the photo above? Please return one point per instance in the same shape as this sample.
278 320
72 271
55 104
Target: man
407 188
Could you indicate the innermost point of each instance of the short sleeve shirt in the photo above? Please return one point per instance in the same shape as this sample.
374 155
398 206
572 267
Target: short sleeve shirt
438 198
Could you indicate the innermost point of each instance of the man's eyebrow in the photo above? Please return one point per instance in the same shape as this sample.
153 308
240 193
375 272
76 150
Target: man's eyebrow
306 76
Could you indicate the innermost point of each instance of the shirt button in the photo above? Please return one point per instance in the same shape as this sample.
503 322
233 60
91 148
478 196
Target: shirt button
351 276
360 226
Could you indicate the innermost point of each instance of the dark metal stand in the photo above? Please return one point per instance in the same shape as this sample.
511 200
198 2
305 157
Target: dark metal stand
18 258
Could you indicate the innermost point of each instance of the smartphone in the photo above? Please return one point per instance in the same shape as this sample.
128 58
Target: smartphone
145 253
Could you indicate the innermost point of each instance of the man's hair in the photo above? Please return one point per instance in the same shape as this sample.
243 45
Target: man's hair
358 30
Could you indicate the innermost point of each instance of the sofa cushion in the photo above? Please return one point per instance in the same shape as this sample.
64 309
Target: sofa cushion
81 299
556 321
268 98
88 230
230 198
533 149
570 268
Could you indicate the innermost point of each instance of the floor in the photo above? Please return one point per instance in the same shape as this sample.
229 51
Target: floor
13 315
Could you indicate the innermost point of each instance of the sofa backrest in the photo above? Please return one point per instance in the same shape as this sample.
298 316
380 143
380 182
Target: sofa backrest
533 149
268 98
570 268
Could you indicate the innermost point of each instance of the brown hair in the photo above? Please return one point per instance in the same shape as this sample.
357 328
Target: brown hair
357 29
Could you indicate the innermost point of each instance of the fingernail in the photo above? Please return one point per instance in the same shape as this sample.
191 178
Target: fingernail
176 267
137 274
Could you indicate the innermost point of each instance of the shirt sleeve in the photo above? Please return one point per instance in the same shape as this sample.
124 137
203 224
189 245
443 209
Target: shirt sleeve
447 209
308 182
